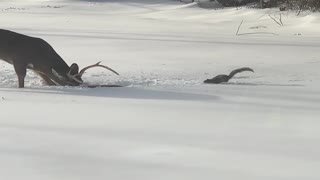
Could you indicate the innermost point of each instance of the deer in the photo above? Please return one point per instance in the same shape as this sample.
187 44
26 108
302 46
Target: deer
26 52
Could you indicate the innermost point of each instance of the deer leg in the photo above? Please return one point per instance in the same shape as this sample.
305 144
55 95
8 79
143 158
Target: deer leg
47 80
21 71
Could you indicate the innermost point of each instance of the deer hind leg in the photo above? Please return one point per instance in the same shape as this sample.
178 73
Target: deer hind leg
21 71
47 80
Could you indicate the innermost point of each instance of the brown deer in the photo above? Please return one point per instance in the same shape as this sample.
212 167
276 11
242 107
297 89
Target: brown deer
25 52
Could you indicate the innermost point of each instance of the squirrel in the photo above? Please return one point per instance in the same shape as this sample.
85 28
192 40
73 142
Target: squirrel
225 78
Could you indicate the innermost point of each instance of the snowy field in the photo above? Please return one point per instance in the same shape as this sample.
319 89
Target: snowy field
165 124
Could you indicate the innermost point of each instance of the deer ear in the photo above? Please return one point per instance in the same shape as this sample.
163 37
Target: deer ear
74 69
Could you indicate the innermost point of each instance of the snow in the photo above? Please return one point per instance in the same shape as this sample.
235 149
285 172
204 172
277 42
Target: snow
165 123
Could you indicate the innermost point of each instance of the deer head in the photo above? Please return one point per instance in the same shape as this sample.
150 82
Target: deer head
75 76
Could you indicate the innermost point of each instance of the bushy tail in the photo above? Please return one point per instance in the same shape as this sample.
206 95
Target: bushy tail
239 70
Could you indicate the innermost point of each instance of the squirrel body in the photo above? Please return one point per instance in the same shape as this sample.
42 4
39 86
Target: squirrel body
225 78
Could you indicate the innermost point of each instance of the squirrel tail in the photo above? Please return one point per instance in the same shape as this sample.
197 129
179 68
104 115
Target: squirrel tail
239 70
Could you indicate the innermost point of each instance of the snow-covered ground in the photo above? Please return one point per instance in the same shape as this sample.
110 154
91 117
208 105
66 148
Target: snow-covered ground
165 123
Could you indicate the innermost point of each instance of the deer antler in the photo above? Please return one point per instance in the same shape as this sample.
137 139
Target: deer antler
95 65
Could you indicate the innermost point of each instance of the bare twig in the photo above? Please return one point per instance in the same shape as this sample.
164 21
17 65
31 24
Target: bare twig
239 28
258 33
238 34
276 21
300 9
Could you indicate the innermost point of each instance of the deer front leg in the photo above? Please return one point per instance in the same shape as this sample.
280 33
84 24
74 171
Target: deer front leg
21 71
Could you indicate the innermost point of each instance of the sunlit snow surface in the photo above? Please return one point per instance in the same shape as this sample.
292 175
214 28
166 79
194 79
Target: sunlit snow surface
165 124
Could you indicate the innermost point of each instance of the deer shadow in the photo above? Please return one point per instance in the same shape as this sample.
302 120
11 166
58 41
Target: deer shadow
115 92
263 84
